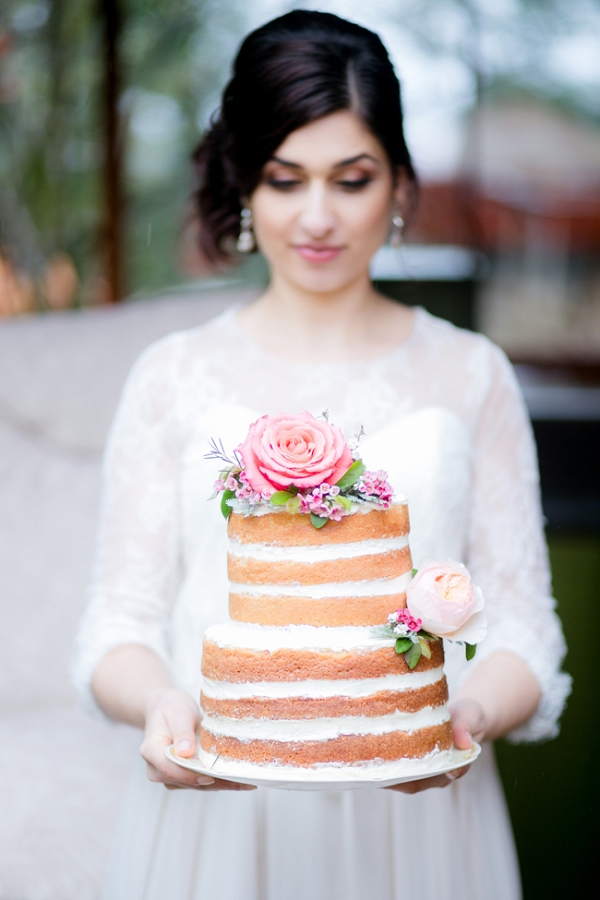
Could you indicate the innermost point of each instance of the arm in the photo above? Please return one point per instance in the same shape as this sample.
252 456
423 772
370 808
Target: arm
514 686
132 684
122 663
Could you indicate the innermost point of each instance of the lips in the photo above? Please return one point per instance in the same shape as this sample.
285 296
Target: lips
316 254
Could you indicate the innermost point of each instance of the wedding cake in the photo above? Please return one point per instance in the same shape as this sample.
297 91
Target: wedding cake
322 663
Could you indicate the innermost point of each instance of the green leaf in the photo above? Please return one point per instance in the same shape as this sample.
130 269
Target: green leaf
403 644
413 572
293 505
425 647
470 651
225 508
413 655
318 521
346 502
352 475
381 631
280 498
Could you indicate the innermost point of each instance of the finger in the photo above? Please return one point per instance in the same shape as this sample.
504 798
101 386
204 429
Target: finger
461 732
159 768
183 724
425 784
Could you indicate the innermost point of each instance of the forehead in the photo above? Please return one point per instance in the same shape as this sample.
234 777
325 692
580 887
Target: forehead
323 144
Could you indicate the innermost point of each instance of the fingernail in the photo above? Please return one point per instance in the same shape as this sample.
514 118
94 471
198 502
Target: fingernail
451 776
205 779
183 746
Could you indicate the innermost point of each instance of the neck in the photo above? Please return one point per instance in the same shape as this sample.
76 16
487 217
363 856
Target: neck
323 324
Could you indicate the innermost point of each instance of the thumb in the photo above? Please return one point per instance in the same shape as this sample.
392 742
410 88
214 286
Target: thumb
467 724
183 724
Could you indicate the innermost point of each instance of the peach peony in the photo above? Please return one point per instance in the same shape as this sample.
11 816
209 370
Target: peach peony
443 596
283 450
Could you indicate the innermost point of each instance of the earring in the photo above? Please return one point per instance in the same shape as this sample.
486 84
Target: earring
396 233
246 241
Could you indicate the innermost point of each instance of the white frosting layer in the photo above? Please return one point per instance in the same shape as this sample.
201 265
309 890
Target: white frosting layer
246 636
268 509
379 587
356 687
317 553
323 729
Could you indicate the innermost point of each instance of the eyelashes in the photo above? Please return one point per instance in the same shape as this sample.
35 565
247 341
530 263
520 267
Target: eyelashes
287 185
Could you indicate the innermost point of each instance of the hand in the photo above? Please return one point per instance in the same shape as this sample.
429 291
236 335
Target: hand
468 725
172 717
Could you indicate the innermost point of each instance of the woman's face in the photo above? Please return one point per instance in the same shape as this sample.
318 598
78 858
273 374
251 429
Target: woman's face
324 204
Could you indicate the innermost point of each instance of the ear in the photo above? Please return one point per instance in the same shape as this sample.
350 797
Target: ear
400 188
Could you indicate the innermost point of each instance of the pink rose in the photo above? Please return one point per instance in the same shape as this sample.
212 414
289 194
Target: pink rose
283 450
443 596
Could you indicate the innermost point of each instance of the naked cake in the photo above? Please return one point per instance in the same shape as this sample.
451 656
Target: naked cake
305 674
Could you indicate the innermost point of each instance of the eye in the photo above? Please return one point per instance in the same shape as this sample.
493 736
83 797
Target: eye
354 184
283 184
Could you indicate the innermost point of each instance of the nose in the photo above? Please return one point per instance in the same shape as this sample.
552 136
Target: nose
316 219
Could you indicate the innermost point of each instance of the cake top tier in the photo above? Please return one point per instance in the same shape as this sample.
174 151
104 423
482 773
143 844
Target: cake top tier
299 464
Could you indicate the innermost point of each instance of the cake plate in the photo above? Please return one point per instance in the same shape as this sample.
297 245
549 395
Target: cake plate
327 778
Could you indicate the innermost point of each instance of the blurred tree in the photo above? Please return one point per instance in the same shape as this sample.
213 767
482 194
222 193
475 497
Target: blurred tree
98 116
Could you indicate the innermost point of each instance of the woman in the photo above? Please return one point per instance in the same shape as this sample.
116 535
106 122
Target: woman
308 160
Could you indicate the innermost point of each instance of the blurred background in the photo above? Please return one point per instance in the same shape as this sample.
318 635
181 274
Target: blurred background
101 104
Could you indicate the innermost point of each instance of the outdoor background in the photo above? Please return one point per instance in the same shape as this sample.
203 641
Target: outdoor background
101 105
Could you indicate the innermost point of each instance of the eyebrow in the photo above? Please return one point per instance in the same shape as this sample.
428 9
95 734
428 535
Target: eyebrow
339 165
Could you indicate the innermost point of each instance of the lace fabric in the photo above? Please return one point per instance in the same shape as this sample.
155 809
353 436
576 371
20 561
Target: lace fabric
442 413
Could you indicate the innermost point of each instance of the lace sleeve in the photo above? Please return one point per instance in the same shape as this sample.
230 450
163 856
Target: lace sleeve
135 573
507 551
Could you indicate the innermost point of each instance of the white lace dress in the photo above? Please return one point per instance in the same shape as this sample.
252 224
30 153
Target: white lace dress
443 415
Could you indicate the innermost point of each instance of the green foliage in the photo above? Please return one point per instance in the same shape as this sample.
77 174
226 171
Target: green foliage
403 644
225 508
413 655
280 498
470 651
52 133
318 521
352 475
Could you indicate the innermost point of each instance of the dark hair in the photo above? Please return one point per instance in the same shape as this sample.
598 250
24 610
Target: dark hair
288 73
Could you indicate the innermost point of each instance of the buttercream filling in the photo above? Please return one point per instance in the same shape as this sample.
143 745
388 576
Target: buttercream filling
249 636
323 729
267 509
313 689
318 552
379 587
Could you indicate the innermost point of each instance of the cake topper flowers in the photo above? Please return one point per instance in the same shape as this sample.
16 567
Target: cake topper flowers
301 463
441 602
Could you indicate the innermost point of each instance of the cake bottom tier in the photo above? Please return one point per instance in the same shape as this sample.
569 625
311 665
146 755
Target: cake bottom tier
346 749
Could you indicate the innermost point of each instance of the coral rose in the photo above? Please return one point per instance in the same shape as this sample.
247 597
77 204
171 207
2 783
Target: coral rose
283 450
443 596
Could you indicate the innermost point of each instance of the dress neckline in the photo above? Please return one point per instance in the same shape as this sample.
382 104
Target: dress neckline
232 314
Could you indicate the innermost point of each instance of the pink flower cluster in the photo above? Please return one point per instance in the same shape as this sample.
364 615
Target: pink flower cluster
241 487
402 623
321 501
375 484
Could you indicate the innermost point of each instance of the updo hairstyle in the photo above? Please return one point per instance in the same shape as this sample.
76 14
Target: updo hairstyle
288 73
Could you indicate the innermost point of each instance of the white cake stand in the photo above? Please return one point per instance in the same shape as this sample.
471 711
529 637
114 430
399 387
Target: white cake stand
327 778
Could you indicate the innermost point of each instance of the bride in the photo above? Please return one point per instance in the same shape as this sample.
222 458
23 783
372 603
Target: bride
307 161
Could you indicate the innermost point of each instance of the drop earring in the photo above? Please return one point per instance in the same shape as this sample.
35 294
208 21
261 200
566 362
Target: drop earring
246 241
396 235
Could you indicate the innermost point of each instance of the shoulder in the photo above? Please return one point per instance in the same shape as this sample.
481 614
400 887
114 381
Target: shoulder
170 357
467 366
462 349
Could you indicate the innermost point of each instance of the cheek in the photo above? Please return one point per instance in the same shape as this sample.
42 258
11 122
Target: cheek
273 217
370 217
